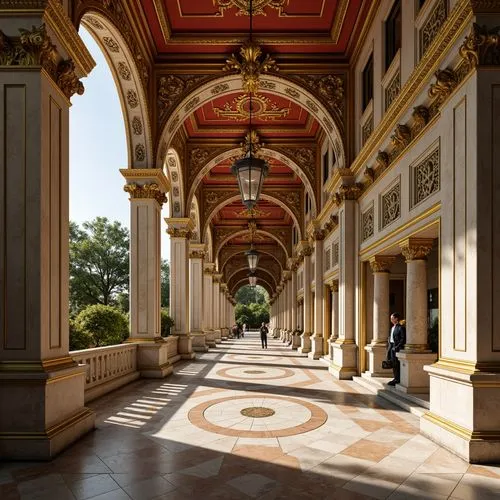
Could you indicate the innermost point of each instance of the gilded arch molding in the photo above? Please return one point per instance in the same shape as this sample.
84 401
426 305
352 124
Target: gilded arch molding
243 282
276 252
244 271
266 264
129 79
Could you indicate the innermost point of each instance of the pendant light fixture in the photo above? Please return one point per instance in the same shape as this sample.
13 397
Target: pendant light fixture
252 255
249 170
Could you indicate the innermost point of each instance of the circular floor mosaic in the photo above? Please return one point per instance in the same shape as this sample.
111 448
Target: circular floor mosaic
252 357
250 416
248 373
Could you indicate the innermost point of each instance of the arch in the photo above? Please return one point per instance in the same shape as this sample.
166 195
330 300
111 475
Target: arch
268 197
243 231
260 270
277 85
133 98
242 251
231 153
240 284
173 170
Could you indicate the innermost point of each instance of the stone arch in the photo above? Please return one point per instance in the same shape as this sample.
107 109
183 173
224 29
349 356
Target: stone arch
132 96
277 85
173 170
260 269
194 214
264 197
243 231
242 251
240 284
231 153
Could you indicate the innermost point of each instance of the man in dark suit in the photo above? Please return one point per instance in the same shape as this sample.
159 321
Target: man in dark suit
397 341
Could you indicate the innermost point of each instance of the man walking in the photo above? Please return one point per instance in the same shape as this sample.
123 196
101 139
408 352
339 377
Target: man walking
397 341
263 335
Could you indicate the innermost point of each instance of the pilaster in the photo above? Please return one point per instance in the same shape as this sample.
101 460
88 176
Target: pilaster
317 338
305 343
197 253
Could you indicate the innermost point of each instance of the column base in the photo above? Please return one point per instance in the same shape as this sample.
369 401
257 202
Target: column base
464 416
199 342
217 336
316 347
414 380
224 333
186 346
210 338
344 361
376 354
305 343
152 359
46 412
296 339
276 333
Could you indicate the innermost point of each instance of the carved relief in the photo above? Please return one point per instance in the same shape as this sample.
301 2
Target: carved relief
400 139
329 89
350 192
446 81
191 104
432 25
124 71
140 152
426 177
67 79
262 107
367 129
137 126
218 89
111 44
243 6
391 205
368 224
292 92
132 99
335 254
146 191
392 90
421 117
305 157
382 161
481 47
94 23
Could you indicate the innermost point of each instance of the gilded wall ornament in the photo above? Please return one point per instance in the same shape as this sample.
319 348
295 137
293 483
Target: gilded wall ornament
67 79
369 174
426 177
252 140
197 254
191 104
292 92
392 90
401 138
329 88
368 224
432 25
446 81
124 71
250 67
391 205
421 116
481 47
262 107
132 99
218 89
350 192
111 44
382 263
199 157
137 125
305 157
146 191
243 6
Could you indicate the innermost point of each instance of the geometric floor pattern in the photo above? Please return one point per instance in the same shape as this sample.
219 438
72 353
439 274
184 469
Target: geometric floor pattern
245 423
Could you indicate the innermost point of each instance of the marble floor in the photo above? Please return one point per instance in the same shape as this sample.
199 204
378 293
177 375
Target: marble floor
241 422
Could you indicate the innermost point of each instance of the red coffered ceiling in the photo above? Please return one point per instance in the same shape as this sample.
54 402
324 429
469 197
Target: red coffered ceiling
285 26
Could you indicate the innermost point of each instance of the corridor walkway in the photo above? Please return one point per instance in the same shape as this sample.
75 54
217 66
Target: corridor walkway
242 422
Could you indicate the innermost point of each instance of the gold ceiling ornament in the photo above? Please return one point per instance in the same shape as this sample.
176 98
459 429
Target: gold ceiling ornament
250 65
243 6
262 107
252 140
251 213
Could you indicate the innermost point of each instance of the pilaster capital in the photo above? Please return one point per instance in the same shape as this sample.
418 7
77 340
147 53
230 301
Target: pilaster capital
287 275
217 278
146 183
279 289
416 248
300 301
314 231
482 45
304 249
208 268
197 250
334 286
382 263
180 227
348 192
223 287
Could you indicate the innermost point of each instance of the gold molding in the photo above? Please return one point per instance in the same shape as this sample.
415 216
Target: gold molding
338 22
162 19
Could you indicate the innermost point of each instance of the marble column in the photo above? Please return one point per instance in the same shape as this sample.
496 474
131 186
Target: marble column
197 253
216 280
290 308
180 230
416 353
41 388
334 328
317 338
293 298
344 364
147 188
222 304
305 343
208 307
377 349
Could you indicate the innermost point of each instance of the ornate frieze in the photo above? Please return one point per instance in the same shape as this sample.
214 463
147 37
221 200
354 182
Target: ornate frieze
35 48
392 90
416 248
446 81
481 47
350 192
368 223
391 205
400 139
250 65
243 6
432 25
263 108
420 117
145 191
426 177
367 129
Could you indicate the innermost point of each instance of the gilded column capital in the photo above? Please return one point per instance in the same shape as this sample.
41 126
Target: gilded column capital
314 231
334 286
145 191
197 250
223 287
305 249
481 46
331 223
382 263
180 227
287 275
146 183
209 268
216 277
348 192
416 248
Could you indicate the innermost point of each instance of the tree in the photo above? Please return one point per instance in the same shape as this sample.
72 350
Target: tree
252 307
99 263
165 283
252 295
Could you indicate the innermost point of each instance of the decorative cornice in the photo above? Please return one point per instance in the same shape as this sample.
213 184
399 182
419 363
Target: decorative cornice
416 248
481 47
350 192
179 227
145 191
381 263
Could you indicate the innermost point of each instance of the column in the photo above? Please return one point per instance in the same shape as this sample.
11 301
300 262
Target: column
147 190
222 304
290 308
334 329
344 363
197 253
416 353
284 313
216 279
293 298
317 338
377 349
41 387
305 343
180 230
208 307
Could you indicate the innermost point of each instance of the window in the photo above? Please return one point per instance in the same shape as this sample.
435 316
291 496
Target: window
392 33
368 82
325 167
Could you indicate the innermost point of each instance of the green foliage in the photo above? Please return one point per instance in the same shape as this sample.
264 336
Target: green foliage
99 263
78 338
166 323
252 313
165 283
104 325
252 295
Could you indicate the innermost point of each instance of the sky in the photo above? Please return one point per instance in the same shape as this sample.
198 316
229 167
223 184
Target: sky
98 149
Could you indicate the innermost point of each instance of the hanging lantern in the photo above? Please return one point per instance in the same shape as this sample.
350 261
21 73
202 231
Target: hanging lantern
252 280
250 172
253 259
